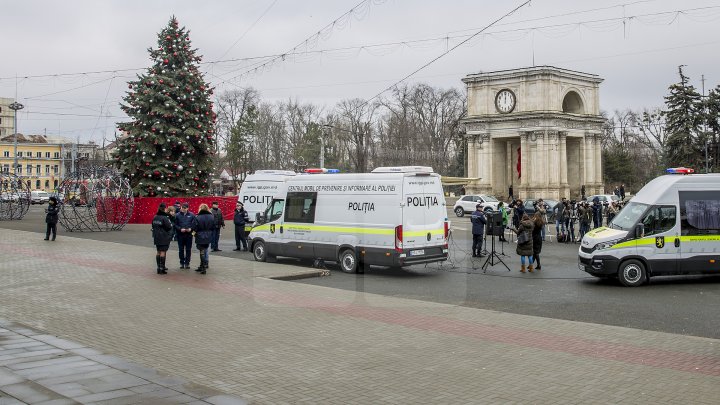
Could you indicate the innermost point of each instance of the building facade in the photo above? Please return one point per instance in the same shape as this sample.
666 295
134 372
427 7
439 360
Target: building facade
39 161
6 117
535 130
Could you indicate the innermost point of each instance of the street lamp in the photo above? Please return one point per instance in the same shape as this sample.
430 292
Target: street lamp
15 106
325 129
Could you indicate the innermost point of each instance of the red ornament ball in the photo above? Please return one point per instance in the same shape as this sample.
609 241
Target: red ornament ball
156 173
147 163
165 61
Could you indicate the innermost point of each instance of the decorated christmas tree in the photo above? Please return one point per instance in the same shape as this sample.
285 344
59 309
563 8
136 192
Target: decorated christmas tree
167 148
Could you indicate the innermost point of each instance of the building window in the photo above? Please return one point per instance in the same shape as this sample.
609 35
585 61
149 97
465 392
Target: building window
55 169
47 155
29 170
47 184
6 168
56 155
37 184
55 184
19 154
47 169
38 169
6 153
19 169
38 154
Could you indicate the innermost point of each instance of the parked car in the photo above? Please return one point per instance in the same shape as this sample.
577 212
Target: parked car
604 198
39 197
466 204
10 197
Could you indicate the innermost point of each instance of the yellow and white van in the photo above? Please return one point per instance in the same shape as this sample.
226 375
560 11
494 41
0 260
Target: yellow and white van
671 227
394 216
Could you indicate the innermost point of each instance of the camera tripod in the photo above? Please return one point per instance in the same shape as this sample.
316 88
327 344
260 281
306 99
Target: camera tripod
493 258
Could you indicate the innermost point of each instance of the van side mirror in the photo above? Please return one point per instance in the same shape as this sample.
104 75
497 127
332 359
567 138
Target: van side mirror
639 230
260 217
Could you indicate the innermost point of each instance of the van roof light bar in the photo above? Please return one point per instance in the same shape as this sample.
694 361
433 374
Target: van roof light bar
318 170
680 170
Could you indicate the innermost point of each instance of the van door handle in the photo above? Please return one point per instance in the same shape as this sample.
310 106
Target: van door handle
677 242
281 229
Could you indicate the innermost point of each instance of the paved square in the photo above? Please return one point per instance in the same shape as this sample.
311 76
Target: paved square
268 341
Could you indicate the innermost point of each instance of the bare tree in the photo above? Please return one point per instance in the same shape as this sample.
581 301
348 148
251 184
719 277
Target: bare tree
355 122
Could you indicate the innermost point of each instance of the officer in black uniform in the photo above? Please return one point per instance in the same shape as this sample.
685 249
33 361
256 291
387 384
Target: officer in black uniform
478 229
162 236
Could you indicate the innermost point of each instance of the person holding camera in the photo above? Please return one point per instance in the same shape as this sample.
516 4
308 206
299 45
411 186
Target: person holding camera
518 211
585 216
573 219
541 207
478 230
612 210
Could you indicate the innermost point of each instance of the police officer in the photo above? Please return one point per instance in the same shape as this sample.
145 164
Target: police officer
183 228
219 223
162 236
51 218
478 229
240 219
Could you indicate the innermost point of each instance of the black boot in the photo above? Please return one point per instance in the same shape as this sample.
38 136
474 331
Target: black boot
162 263
159 265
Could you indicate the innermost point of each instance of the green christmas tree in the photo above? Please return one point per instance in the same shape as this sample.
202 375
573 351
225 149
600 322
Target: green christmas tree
169 144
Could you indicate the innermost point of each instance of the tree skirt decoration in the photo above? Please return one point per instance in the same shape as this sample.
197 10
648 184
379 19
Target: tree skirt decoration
95 199
14 197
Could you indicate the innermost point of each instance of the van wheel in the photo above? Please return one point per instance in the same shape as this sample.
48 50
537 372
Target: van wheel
632 273
259 251
347 261
459 211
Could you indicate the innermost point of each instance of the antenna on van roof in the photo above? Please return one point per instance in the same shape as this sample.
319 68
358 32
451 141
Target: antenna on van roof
403 169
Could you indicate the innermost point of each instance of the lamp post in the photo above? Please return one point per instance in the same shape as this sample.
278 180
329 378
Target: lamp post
15 106
325 129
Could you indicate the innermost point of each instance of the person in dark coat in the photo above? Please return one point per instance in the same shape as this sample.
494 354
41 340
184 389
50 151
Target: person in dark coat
597 212
184 221
204 225
622 192
478 229
525 249
518 207
240 218
219 223
51 218
162 236
538 220
176 209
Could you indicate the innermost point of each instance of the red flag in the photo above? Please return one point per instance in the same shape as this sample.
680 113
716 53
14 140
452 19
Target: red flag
519 165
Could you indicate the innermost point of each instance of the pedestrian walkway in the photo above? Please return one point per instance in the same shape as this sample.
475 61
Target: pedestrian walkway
238 331
36 368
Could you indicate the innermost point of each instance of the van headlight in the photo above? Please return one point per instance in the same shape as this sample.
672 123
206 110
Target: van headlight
607 244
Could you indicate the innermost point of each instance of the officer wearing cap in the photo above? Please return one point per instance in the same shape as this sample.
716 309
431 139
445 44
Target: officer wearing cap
478 229
183 228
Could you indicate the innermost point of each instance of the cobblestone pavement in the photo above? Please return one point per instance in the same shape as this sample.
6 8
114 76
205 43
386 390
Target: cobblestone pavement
36 368
238 331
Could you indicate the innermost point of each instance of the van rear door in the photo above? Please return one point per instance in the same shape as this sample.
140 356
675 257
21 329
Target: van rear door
424 214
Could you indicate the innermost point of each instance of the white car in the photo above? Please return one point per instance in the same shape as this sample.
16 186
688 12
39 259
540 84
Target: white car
39 197
466 204
604 198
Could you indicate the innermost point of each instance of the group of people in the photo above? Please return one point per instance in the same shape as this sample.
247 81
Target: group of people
178 223
531 228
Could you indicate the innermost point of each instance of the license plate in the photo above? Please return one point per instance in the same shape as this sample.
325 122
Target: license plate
417 252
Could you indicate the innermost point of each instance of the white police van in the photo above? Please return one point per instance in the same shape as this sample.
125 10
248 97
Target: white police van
671 227
394 216
259 188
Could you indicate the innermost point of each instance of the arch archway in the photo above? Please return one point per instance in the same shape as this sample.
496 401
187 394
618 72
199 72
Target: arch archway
572 103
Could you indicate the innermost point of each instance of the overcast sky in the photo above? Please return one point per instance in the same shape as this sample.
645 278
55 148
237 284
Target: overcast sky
637 55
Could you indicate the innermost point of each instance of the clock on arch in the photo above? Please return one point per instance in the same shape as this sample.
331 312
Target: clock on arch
505 101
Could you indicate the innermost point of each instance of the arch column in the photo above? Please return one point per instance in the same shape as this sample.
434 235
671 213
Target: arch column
598 165
562 143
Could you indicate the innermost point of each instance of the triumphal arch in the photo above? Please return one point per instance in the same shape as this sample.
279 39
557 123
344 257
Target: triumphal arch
536 130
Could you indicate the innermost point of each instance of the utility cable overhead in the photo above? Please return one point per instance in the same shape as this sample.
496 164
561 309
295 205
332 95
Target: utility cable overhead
304 42
635 17
249 28
511 12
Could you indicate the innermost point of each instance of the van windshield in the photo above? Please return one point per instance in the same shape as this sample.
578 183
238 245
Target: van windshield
629 216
